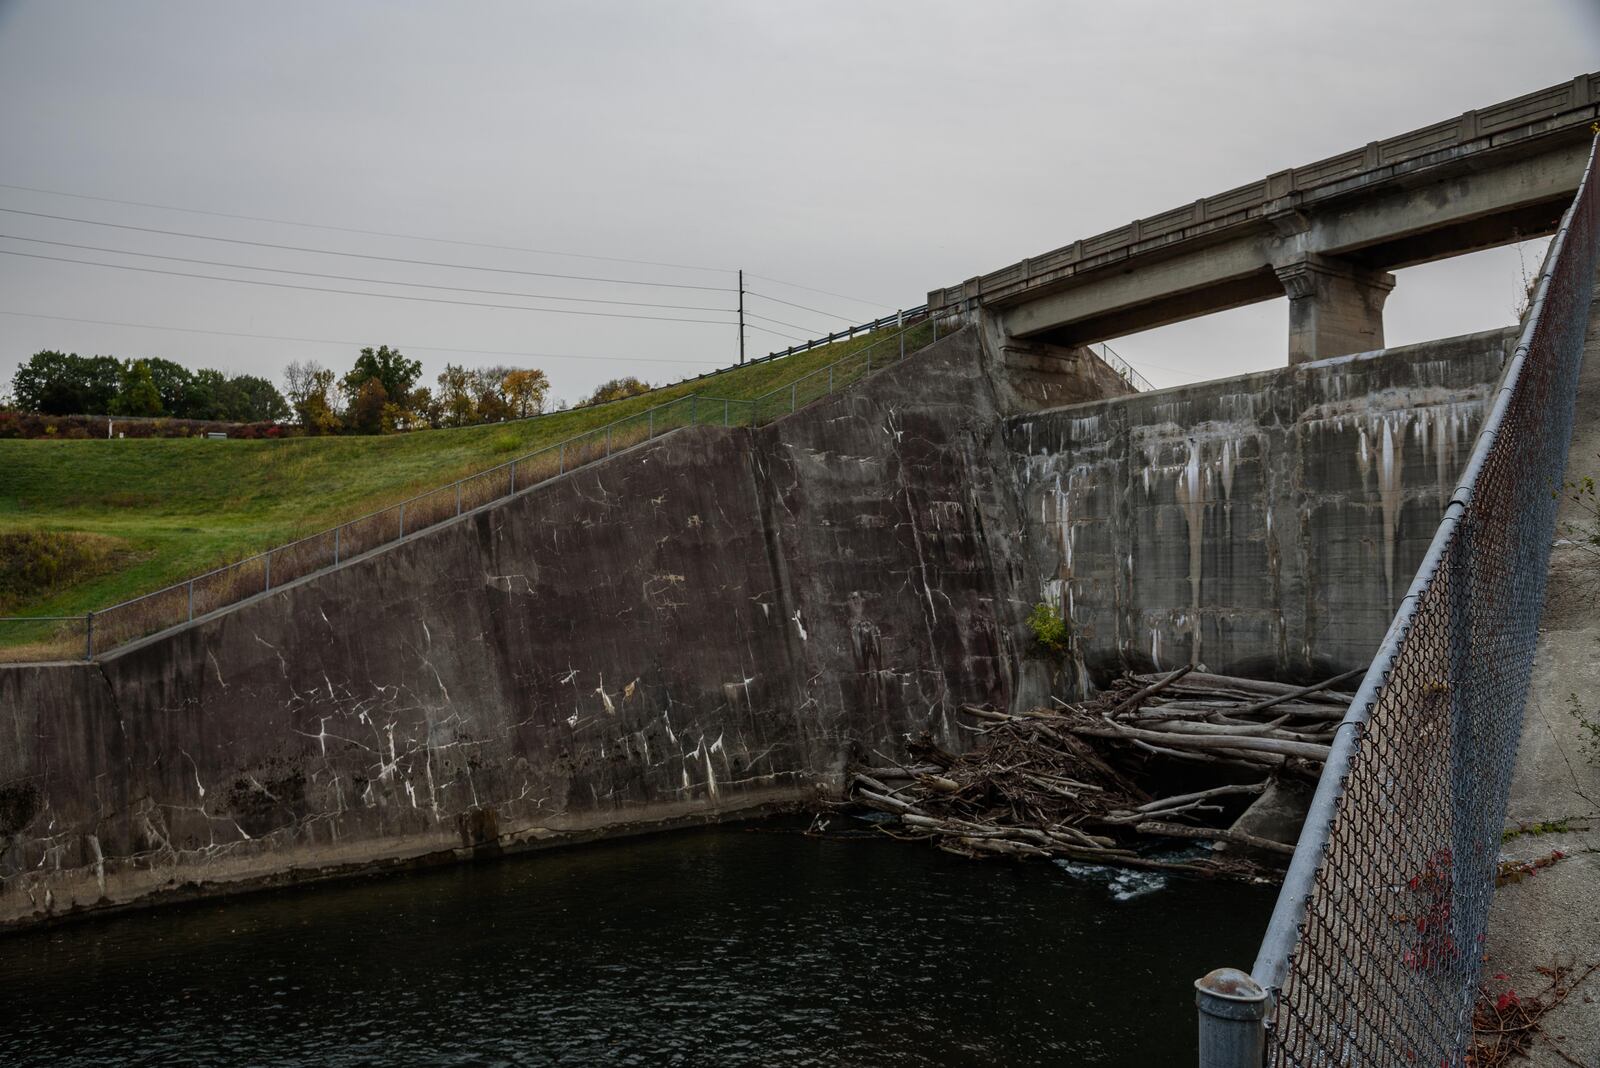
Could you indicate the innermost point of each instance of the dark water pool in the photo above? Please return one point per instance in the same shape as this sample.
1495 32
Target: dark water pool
725 946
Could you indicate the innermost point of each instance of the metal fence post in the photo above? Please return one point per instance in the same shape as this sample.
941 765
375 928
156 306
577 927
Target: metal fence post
651 432
724 411
902 344
402 519
513 477
266 564
869 361
693 397
336 531
458 498
608 439
1233 1030
793 387
561 468
191 600
830 378
88 635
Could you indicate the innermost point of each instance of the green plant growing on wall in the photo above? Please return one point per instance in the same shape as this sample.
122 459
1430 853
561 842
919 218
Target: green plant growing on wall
1049 629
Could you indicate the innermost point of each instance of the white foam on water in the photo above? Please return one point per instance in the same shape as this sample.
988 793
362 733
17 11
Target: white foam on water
1122 883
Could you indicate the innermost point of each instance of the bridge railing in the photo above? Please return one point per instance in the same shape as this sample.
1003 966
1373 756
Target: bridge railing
1569 105
62 637
1374 950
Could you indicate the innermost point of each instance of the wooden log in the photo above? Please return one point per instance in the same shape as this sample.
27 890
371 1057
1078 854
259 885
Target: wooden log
1203 682
910 771
1151 690
1309 750
1258 730
885 802
1306 691
1206 795
1212 834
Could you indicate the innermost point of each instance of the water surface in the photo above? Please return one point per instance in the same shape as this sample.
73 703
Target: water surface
736 945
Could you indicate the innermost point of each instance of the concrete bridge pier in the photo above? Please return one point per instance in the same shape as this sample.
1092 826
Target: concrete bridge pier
1335 306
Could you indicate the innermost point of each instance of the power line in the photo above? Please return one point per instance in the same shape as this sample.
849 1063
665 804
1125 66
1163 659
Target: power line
824 292
802 307
362 255
357 292
777 322
369 233
353 278
361 344
775 333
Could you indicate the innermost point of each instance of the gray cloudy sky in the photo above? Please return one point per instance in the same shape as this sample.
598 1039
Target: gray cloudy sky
873 150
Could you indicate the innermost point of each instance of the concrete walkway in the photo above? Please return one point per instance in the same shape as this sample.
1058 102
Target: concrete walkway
1553 917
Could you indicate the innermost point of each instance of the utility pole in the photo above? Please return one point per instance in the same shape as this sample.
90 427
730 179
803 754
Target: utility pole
741 316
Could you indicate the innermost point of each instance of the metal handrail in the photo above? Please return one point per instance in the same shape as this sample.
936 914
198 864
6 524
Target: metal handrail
1126 370
695 402
899 318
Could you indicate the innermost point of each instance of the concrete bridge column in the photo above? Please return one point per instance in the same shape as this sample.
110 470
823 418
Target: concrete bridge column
1335 307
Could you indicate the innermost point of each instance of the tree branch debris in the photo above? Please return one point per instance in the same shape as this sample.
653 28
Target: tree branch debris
1082 781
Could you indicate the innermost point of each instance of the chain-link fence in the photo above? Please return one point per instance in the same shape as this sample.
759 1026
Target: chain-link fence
38 638
1374 951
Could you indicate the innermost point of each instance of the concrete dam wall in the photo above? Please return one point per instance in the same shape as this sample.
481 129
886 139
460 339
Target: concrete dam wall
710 623
718 621
1263 525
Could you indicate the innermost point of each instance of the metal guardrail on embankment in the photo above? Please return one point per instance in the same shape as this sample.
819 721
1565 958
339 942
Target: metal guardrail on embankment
56 637
1374 950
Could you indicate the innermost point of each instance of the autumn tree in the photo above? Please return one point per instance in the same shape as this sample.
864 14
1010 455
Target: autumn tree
310 388
455 400
617 389
367 409
525 390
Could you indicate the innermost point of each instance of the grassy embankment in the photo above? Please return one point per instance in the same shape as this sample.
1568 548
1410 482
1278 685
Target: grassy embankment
160 510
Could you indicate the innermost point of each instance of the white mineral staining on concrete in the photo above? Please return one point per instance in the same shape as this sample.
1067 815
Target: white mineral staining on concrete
1389 491
605 698
799 625
1191 499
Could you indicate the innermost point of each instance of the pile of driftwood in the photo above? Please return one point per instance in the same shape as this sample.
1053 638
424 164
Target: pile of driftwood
1091 781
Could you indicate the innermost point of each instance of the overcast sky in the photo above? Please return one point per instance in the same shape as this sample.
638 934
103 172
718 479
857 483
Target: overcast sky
870 150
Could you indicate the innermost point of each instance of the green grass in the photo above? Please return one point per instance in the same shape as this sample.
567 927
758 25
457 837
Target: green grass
179 506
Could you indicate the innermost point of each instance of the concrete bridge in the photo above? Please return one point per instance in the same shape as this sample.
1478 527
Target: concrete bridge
1325 235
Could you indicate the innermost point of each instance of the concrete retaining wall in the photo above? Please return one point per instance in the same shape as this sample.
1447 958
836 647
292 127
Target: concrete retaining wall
708 624
1263 525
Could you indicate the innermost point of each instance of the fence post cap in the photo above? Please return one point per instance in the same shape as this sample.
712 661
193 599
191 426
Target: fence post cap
1230 993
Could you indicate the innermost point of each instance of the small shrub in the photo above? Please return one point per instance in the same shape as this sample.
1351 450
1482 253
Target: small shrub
1049 629
505 441
36 563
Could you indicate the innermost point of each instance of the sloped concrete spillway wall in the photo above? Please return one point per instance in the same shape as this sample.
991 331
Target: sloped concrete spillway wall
718 621
710 623
1264 525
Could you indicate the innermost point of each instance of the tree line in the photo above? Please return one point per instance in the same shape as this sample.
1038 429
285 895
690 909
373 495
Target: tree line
61 383
380 394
